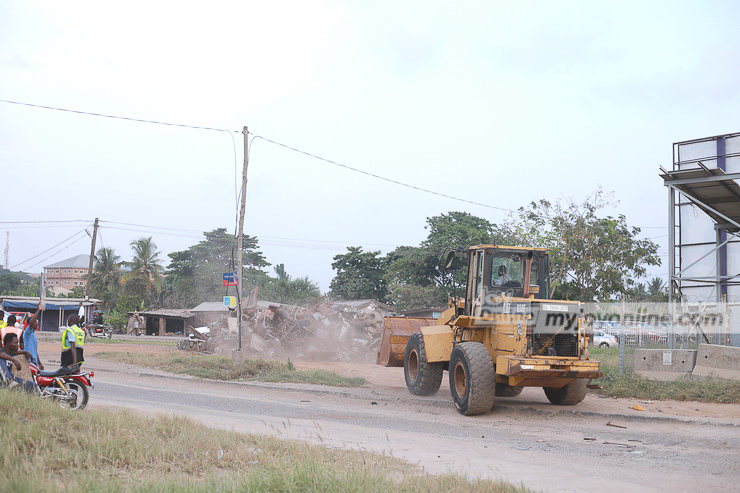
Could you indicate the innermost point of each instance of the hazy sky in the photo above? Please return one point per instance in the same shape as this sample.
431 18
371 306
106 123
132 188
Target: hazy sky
501 103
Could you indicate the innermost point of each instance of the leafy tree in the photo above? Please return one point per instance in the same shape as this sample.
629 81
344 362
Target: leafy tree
656 291
196 273
411 297
18 283
285 289
591 257
106 277
360 275
145 266
410 267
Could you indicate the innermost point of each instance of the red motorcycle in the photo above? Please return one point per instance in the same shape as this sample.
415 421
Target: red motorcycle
103 331
65 386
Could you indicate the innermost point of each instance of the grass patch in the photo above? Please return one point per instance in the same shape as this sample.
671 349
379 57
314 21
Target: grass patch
46 448
53 336
635 386
221 368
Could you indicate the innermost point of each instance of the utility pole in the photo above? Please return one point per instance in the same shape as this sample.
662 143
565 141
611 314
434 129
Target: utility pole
92 257
240 242
7 249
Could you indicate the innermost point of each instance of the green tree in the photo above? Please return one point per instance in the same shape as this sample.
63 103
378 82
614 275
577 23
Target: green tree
106 277
18 284
411 297
196 273
591 257
285 289
656 291
410 268
146 266
360 275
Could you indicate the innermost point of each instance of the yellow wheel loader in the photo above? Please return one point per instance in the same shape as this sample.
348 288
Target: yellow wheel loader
503 336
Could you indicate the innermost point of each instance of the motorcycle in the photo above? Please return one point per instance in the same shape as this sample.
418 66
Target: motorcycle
103 331
65 386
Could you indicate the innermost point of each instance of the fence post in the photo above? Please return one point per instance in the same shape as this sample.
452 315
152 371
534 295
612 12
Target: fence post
622 335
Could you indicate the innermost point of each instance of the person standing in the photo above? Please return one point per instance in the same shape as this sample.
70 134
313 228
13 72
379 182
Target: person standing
28 339
11 328
81 314
73 343
136 322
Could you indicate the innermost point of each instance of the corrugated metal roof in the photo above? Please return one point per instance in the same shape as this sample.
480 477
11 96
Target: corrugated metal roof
78 262
211 306
166 312
721 194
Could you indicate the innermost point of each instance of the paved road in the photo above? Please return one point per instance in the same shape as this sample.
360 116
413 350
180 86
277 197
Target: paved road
545 447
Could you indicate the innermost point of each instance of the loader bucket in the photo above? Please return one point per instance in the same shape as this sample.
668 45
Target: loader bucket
396 333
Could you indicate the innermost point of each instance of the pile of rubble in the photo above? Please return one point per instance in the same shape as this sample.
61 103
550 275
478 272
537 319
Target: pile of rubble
328 331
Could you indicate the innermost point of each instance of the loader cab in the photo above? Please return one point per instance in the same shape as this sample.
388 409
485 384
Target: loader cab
496 272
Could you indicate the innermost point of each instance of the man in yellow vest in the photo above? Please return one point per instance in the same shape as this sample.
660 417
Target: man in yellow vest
73 343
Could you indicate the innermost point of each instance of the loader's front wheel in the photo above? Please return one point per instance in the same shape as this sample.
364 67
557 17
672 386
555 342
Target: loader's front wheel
472 378
422 377
570 395
503 390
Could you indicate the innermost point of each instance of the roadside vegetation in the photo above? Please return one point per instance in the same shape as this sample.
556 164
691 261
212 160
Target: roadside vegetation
46 448
221 368
635 386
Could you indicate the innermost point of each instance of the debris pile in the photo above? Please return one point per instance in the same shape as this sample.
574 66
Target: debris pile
329 331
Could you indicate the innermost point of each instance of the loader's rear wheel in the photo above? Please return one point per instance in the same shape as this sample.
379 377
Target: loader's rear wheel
570 395
422 377
472 378
503 390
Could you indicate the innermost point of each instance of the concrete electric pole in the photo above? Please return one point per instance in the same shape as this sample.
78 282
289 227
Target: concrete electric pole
240 242
92 257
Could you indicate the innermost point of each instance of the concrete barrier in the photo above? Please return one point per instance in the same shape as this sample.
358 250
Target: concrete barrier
718 361
664 364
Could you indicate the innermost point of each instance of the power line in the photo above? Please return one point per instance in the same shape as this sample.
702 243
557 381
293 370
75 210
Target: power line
140 120
39 254
58 251
396 182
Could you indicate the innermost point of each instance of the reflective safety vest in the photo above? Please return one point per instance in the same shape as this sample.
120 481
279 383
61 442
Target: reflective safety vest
79 337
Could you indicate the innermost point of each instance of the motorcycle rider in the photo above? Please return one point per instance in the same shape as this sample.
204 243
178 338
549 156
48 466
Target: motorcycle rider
73 343
7 354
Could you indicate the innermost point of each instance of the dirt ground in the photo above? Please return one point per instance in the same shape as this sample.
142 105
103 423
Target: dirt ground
379 377
670 446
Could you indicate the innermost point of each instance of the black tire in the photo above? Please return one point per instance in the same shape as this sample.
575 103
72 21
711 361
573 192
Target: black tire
604 344
570 395
422 377
503 390
108 334
472 378
80 393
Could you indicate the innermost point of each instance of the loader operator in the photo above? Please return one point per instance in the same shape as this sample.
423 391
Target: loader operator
503 277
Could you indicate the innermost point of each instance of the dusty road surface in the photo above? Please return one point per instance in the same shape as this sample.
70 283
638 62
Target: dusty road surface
671 446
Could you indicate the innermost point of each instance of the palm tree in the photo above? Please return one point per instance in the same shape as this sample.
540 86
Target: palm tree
106 275
657 290
145 264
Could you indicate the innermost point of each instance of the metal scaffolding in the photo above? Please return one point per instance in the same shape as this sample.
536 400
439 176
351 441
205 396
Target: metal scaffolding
700 180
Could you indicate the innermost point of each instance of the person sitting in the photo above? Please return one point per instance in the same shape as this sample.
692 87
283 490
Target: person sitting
8 356
503 277
97 315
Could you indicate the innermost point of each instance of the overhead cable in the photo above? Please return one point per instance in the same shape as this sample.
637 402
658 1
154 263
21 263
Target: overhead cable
140 120
396 182
79 233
